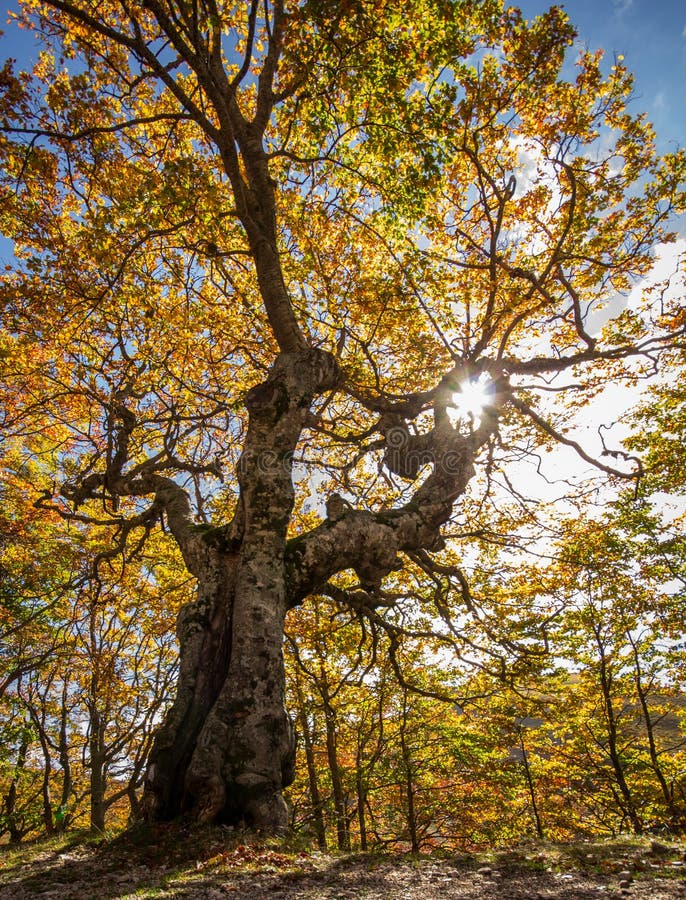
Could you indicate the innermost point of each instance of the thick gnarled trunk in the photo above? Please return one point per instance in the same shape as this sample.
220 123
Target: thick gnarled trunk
226 748
204 633
245 750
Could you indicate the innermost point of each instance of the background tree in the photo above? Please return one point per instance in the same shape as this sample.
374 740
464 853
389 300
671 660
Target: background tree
280 245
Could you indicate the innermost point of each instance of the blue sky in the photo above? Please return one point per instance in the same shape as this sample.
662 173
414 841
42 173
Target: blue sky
651 35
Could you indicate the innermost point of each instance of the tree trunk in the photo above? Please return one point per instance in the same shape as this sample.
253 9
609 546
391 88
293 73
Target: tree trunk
227 747
627 804
409 785
39 722
342 830
15 829
530 785
361 804
62 817
97 777
676 814
315 794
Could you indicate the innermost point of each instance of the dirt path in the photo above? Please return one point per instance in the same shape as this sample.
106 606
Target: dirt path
208 870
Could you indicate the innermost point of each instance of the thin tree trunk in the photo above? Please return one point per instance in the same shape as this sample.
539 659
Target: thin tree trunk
676 815
408 770
39 722
97 773
618 767
530 785
15 832
342 830
313 780
361 803
62 818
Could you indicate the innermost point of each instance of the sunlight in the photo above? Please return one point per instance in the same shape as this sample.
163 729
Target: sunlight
469 402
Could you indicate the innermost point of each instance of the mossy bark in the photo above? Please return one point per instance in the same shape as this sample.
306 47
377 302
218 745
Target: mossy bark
227 748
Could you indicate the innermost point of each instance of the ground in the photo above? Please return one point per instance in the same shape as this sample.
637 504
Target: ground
220 864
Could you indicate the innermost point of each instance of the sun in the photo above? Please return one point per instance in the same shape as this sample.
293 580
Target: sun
470 400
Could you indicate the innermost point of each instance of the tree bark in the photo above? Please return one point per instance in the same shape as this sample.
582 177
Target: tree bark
39 723
676 814
97 776
409 773
62 817
530 785
618 765
340 811
227 747
15 827
313 779
361 790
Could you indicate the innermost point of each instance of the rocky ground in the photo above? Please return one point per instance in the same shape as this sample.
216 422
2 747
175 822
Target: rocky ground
218 865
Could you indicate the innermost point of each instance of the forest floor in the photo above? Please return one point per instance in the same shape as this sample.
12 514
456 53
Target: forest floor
219 865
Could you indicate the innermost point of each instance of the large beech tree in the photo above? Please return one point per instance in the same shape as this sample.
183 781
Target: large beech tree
263 250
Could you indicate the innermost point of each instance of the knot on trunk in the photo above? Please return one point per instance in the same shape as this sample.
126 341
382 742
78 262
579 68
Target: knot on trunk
379 556
405 453
293 381
325 371
268 400
309 372
336 507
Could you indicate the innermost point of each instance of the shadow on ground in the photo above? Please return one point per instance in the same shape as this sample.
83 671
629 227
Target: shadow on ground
187 865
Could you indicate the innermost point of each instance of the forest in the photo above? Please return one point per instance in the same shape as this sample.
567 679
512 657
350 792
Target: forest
342 411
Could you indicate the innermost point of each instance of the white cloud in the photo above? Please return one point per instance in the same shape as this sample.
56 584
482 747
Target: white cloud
668 273
622 6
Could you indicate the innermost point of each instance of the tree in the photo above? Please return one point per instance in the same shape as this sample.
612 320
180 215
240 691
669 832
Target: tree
123 660
280 246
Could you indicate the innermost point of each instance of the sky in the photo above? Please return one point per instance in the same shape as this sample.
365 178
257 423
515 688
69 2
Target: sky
651 35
